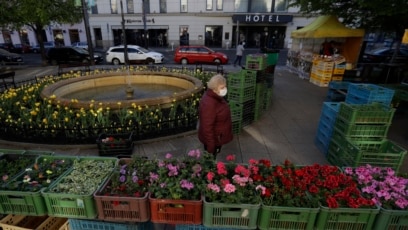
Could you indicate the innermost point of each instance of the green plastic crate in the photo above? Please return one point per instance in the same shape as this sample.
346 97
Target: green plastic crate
28 202
241 95
236 127
361 130
383 153
241 80
237 216
236 111
256 61
391 219
366 113
275 217
74 205
346 218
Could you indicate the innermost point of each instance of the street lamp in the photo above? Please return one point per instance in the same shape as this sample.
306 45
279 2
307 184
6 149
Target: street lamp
146 40
124 35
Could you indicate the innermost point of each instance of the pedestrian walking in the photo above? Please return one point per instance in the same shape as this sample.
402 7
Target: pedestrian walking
239 53
215 125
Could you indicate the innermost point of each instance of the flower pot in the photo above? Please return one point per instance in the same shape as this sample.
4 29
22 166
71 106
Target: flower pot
121 208
391 219
278 217
346 218
237 216
115 144
171 211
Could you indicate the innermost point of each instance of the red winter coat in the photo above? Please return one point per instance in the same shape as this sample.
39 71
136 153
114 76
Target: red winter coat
215 127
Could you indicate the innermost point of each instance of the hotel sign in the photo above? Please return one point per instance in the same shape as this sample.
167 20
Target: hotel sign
262 18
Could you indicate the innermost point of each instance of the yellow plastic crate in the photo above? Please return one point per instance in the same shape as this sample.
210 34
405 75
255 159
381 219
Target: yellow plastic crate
22 222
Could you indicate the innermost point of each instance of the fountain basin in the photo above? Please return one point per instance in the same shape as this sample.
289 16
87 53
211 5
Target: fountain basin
60 92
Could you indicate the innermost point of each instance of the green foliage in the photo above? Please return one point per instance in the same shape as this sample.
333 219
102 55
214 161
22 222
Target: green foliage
389 16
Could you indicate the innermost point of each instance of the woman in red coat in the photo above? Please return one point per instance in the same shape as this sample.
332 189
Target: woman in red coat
215 127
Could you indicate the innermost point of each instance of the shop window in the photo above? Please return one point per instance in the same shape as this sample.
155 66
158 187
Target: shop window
220 4
183 6
241 6
94 9
261 6
114 6
163 6
130 7
209 5
281 5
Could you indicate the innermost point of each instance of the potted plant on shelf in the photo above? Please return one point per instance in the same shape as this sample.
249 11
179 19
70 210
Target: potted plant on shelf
124 197
285 196
175 192
231 196
388 190
339 197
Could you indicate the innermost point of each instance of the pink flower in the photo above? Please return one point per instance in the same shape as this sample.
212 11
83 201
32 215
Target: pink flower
224 182
262 188
168 155
210 176
213 187
221 169
240 169
194 153
229 188
230 157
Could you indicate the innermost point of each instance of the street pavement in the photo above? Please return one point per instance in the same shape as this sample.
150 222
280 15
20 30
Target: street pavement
286 130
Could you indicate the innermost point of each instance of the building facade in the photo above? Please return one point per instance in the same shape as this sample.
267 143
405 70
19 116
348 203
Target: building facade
170 23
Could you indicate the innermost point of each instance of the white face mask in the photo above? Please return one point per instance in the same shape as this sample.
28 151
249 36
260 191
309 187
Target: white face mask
223 92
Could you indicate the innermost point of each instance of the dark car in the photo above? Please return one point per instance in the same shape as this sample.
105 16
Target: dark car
47 45
199 54
384 55
8 46
22 48
70 55
9 58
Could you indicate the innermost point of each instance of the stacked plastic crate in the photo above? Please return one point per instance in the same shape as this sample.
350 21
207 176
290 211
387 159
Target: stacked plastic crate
241 98
326 124
369 93
337 91
321 73
338 71
360 137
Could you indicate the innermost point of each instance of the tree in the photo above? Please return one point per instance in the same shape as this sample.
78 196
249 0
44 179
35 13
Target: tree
372 15
37 14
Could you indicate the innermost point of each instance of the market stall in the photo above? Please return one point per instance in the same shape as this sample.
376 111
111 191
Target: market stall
326 44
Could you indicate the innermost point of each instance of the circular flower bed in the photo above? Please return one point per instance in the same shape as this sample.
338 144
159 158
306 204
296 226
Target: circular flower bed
25 116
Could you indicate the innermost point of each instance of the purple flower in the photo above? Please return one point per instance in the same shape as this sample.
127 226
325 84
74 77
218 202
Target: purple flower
122 178
186 184
153 177
122 169
173 171
135 179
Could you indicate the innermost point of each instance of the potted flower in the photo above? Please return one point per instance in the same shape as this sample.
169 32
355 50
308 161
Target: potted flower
387 190
231 196
115 144
175 192
339 197
22 194
12 164
124 197
284 196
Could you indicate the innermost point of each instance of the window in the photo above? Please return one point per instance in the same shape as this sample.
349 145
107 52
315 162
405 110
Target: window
183 6
146 6
114 7
261 6
281 5
163 6
209 5
241 6
130 7
219 4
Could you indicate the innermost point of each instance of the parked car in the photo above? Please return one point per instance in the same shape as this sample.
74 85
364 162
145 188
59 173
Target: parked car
9 58
136 54
384 55
8 46
47 45
70 55
22 48
198 54
83 45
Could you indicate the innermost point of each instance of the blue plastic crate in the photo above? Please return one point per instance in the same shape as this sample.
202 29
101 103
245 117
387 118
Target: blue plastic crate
322 142
329 112
340 85
198 227
80 224
369 93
